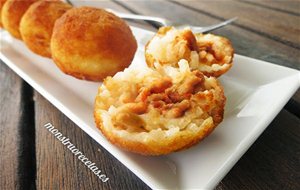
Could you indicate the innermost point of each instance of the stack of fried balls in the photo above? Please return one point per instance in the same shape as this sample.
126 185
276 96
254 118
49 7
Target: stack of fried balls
86 43
168 106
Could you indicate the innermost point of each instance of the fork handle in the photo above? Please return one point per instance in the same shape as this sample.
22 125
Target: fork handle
158 20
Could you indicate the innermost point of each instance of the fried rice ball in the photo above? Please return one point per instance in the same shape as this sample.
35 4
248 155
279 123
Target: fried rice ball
90 43
207 53
12 12
156 111
37 24
1 5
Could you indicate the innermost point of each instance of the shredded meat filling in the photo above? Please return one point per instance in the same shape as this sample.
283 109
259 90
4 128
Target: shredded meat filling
170 100
191 40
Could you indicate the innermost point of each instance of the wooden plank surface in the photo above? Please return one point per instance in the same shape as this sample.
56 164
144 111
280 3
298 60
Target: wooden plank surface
280 26
288 6
36 159
16 130
10 104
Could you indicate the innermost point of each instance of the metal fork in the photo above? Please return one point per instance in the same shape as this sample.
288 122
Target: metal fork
165 22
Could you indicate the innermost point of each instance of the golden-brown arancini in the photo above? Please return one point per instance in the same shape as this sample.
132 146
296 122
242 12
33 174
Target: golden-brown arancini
1 5
208 53
90 43
37 24
158 111
12 12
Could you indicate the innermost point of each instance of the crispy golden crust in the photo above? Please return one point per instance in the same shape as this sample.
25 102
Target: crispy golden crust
90 43
154 148
1 5
37 24
158 111
211 54
11 15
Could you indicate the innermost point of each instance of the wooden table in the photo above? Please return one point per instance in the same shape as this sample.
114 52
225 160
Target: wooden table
30 157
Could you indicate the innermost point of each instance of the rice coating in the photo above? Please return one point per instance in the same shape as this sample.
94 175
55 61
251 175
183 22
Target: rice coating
158 111
208 53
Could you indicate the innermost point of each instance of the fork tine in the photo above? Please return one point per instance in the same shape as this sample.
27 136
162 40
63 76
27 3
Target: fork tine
206 29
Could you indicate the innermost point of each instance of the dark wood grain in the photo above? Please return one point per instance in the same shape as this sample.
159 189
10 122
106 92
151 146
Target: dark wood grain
273 160
10 105
272 24
17 160
31 157
58 168
290 6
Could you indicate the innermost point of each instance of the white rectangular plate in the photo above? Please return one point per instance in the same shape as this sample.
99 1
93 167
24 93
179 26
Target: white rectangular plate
256 91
